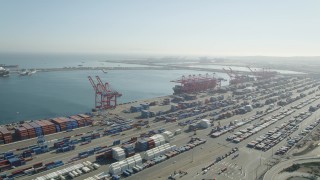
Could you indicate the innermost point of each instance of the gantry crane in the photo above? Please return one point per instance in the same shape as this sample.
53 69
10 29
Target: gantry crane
235 78
265 73
105 97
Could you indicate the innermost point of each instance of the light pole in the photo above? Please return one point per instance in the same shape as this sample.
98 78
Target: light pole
192 155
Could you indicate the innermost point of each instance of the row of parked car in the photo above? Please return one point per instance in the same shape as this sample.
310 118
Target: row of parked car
306 102
253 129
276 135
293 141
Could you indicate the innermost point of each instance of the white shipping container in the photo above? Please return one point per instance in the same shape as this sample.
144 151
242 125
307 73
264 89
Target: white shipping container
79 171
156 153
71 174
131 163
115 171
75 173
149 155
123 165
178 131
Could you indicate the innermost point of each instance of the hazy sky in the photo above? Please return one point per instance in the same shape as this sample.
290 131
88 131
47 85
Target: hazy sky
200 27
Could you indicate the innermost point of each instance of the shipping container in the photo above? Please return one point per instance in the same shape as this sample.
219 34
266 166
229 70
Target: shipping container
22 133
38 129
5 135
30 129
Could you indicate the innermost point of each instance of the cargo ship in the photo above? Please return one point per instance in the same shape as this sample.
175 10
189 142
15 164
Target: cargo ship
4 72
196 83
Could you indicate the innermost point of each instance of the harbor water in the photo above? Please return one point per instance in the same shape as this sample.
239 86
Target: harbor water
52 94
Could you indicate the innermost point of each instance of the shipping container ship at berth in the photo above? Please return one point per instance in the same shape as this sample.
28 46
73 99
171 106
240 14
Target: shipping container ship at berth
196 83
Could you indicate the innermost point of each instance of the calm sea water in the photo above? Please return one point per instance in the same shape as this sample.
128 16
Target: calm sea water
52 94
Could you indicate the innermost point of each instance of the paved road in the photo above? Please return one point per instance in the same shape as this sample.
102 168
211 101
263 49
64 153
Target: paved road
272 174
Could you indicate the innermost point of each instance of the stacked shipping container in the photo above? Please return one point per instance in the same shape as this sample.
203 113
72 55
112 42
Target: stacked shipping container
22 133
6 136
86 118
47 127
61 122
70 123
30 129
37 128
51 126
79 120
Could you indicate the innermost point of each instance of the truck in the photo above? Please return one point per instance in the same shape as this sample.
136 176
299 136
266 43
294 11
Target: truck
224 169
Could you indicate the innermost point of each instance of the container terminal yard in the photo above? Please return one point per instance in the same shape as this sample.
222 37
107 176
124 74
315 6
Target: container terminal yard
203 131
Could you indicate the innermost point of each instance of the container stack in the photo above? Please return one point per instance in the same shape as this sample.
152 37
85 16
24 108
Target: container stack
71 124
38 150
157 151
142 145
51 126
30 129
26 154
145 106
74 123
22 133
145 114
115 168
62 123
86 138
57 128
37 128
6 135
79 120
107 154
118 153
65 148
158 140
134 109
61 142
129 150
124 165
8 155
151 143
86 118
47 127
118 168
168 136
15 162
